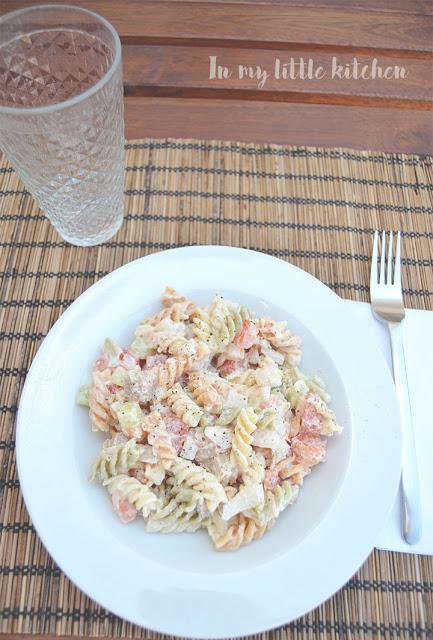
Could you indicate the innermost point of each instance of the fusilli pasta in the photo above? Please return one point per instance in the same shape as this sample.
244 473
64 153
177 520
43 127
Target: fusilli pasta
211 423
240 532
242 450
195 477
134 491
115 460
183 406
161 442
99 406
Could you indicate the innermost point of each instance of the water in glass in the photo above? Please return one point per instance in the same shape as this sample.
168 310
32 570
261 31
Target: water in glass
70 155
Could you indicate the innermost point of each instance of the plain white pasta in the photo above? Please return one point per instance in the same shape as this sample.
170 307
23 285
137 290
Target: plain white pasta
242 450
183 406
135 492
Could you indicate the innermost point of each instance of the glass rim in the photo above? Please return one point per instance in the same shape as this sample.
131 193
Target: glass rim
88 92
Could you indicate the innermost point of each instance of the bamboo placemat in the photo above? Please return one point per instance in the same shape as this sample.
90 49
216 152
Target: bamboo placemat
314 207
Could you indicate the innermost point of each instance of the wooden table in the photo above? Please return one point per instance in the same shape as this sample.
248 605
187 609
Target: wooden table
167 46
316 208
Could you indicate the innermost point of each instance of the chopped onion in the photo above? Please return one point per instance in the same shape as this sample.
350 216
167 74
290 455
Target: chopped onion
269 439
147 454
190 447
112 351
248 497
221 436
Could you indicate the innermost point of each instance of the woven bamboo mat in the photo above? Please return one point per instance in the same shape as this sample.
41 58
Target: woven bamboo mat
314 207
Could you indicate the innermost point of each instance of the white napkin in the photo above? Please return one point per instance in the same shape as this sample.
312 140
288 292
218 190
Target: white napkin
418 337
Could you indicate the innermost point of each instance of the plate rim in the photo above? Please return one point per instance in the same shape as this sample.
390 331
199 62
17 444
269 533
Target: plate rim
57 327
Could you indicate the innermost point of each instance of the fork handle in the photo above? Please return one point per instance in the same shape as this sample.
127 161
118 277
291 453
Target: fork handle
410 496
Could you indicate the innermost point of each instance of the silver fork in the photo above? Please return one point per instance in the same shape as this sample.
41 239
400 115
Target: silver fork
387 304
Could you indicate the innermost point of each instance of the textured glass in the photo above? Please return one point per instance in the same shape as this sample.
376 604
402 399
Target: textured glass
61 117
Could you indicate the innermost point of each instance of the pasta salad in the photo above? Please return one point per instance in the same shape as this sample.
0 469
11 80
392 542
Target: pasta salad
209 422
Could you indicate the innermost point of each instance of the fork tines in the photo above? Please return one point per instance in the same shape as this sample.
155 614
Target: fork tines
393 277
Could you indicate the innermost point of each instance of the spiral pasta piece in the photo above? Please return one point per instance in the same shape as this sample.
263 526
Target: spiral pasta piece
171 370
212 425
115 460
202 328
241 445
226 320
246 384
172 298
218 324
174 517
135 492
281 339
183 406
176 308
275 502
240 531
204 392
99 407
183 348
190 498
192 476
160 440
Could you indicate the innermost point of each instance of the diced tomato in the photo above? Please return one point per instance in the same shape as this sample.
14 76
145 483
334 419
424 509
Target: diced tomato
311 420
247 336
101 363
173 424
178 441
228 366
272 479
308 449
124 509
177 429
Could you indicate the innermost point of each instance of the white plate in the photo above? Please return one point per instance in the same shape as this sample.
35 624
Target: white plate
178 584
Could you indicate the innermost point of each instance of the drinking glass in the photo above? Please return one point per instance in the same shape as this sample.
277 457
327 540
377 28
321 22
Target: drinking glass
61 116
